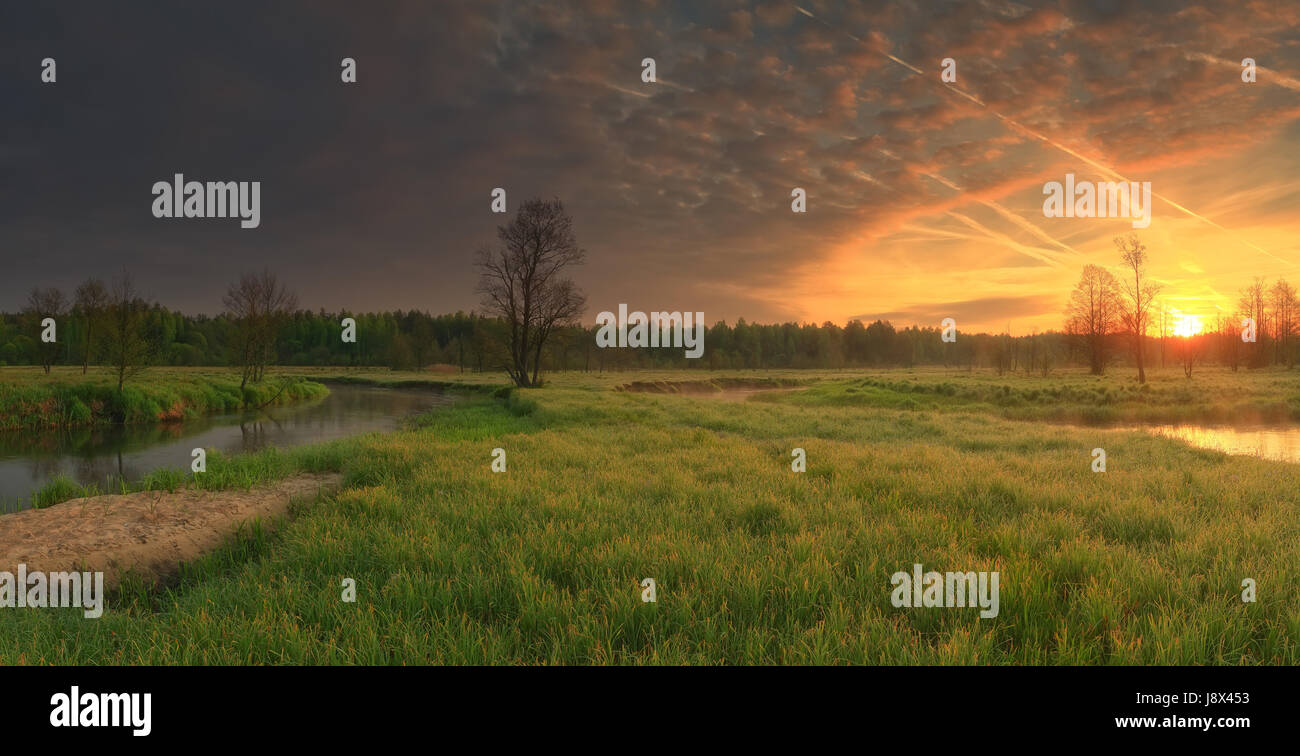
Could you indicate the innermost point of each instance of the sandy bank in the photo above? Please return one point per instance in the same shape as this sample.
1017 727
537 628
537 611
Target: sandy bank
150 531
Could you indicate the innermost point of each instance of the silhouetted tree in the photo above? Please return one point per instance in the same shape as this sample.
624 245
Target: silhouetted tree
521 282
1139 293
1252 302
1093 314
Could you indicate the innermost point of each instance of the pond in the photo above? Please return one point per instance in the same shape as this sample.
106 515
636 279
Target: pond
1280 443
29 460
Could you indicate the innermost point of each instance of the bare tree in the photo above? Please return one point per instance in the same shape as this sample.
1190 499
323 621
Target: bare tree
127 347
1191 352
241 301
258 304
521 282
560 306
91 301
1282 300
278 305
42 304
1093 313
1229 336
1252 303
1139 294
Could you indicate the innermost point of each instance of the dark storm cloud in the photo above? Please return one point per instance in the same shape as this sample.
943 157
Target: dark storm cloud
375 195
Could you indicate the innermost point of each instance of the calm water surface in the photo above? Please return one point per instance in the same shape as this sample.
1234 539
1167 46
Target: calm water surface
1269 442
28 460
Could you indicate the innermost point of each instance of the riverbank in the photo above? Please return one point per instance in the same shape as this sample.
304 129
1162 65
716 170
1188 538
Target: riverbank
39 468
30 400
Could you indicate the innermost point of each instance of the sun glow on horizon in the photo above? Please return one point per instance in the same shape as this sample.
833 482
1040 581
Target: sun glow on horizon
1188 325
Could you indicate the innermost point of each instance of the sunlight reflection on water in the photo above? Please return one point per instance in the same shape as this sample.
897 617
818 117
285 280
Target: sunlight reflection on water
1277 443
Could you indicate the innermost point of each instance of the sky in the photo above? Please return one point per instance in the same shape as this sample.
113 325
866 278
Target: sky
924 197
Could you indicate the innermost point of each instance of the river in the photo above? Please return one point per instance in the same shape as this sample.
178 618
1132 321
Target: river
30 459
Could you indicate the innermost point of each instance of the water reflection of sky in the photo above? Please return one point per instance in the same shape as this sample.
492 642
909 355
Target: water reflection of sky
1275 443
28 460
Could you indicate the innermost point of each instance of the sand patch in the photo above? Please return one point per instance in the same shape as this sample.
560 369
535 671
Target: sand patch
150 531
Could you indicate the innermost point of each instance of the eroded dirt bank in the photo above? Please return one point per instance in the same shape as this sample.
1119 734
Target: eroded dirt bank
151 532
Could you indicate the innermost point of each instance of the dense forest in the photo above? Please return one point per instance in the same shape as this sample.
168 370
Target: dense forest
470 342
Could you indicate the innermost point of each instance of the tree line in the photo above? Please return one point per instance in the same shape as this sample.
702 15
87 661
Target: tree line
126 333
112 324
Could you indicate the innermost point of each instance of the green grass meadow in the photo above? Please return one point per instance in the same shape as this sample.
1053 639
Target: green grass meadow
754 563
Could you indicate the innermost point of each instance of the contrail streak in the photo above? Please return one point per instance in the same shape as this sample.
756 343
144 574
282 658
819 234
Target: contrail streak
625 90
1007 240
1007 214
1108 171
996 207
1041 256
1274 77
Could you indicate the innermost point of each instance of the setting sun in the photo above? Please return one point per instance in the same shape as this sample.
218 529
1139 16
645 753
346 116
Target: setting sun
1188 326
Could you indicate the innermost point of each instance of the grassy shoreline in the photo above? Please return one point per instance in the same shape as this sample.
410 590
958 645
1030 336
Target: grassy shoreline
1217 398
29 401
